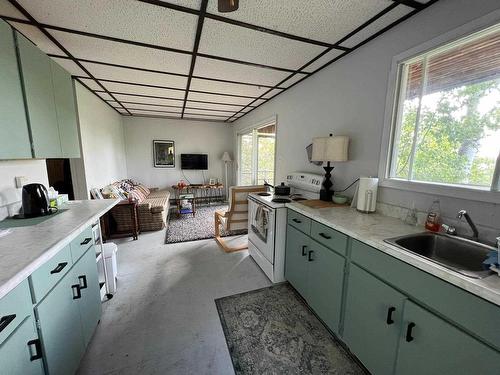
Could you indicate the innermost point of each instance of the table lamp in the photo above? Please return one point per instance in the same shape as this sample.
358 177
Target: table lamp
226 159
329 149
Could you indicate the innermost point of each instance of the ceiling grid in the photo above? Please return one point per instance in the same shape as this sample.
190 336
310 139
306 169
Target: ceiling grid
183 59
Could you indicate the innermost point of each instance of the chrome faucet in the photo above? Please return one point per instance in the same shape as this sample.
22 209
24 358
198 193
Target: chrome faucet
463 213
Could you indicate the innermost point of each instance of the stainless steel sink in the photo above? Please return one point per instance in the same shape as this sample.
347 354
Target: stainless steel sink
456 253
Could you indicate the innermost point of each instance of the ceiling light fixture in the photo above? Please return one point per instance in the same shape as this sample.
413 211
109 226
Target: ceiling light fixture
226 6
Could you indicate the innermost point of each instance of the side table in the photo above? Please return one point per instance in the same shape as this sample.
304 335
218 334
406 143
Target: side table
128 211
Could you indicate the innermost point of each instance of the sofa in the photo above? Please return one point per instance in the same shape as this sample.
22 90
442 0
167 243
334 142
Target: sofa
152 208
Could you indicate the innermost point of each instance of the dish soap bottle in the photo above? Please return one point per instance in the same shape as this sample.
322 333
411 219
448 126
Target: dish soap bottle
433 221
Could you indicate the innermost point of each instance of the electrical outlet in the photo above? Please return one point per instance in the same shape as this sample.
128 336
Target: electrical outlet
21 181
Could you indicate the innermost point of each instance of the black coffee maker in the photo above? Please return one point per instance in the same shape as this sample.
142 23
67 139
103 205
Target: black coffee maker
35 201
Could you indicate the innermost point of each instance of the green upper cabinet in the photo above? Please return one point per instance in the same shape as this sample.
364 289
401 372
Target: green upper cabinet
14 136
41 106
66 111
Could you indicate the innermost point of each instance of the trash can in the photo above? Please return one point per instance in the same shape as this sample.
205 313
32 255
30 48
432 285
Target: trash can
109 250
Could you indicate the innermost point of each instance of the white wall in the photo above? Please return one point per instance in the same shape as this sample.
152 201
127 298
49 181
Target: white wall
102 139
10 196
189 136
348 98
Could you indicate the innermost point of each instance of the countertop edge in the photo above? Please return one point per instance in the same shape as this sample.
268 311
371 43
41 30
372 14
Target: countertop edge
429 267
8 286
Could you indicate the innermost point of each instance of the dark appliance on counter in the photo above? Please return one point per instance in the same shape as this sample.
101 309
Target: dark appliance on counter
35 201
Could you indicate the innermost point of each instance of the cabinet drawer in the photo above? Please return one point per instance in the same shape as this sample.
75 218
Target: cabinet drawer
329 237
45 277
14 308
81 243
470 312
299 221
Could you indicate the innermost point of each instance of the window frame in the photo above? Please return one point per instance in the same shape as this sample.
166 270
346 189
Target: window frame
393 98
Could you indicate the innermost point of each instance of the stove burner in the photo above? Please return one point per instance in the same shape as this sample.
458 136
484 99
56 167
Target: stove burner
281 200
296 199
264 194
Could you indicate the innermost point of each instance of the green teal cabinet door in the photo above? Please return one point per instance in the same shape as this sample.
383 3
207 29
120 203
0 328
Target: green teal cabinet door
18 354
66 111
90 304
297 246
39 91
59 324
432 346
372 320
325 279
14 136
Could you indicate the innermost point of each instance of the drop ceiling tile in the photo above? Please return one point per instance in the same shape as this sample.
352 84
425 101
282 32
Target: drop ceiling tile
237 72
227 88
37 37
114 104
290 81
150 107
133 99
143 90
324 20
104 96
126 19
204 118
223 39
218 98
379 24
135 76
272 93
91 83
188 112
156 114
327 57
193 4
9 10
125 54
232 108
71 67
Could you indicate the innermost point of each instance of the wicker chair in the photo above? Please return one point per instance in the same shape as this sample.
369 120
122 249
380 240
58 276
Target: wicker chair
236 218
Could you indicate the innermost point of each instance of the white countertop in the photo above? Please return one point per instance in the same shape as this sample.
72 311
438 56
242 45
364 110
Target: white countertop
373 228
27 248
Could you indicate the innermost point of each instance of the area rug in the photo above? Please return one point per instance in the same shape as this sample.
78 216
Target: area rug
188 228
272 331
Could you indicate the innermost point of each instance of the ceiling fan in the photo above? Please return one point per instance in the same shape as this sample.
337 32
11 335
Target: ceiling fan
226 6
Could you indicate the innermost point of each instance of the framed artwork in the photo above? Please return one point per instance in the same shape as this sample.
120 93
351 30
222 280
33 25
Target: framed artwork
163 154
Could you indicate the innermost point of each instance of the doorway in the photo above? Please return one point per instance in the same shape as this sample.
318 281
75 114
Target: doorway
256 156
59 173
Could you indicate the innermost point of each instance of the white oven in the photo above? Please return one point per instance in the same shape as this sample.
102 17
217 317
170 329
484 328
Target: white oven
263 240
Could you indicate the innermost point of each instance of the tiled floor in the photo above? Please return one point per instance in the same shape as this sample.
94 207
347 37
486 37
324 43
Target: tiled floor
163 319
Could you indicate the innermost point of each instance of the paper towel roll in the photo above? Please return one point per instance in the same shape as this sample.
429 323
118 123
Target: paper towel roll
367 194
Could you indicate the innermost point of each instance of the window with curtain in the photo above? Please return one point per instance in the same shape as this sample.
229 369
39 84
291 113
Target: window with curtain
256 156
446 127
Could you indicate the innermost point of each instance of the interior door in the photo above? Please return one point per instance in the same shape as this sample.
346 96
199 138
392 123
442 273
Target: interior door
429 345
373 320
297 246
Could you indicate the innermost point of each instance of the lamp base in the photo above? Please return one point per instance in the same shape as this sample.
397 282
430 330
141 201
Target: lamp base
325 193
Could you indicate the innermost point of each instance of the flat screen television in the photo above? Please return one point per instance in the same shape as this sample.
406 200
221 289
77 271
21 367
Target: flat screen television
194 161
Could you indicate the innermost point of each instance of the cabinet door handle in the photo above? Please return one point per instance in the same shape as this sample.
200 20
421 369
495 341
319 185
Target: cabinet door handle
297 221
309 258
38 349
409 330
389 319
304 248
78 291
84 279
5 321
86 241
325 236
59 267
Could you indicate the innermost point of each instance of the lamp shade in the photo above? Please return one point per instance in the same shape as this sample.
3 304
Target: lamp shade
330 148
226 157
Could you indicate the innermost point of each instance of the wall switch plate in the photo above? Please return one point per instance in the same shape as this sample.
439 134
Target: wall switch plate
21 181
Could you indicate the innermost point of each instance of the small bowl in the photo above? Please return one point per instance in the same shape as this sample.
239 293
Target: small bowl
339 199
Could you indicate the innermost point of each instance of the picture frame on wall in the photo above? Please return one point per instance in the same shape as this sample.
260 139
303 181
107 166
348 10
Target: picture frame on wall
163 154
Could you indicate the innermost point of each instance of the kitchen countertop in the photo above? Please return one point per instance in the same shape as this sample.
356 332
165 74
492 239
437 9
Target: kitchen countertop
373 228
26 248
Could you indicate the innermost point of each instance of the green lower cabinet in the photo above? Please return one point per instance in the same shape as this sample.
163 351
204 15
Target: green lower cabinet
90 303
325 282
297 247
60 328
19 353
373 321
429 345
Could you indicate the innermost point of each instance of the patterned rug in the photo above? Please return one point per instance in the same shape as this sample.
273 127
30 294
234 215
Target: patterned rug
188 228
272 331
